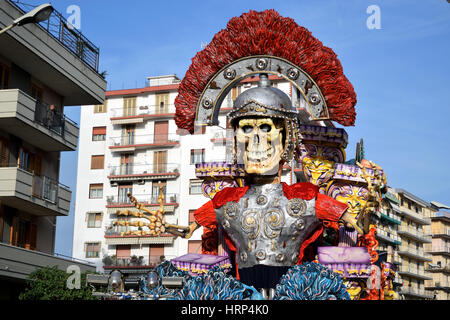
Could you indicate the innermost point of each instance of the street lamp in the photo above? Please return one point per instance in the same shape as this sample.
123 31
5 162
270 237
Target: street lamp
38 14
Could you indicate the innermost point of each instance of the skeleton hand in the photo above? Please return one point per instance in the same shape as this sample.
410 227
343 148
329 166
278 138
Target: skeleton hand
180 231
374 197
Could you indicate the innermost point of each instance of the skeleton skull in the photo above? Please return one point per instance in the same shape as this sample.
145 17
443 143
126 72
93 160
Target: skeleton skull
259 145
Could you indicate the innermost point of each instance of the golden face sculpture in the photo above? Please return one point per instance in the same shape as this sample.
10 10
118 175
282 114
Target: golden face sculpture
318 162
354 195
259 145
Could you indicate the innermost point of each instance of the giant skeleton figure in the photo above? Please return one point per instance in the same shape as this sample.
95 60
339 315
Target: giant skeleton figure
266 224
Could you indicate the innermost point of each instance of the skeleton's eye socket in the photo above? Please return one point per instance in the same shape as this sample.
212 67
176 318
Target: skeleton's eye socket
247 129
265 127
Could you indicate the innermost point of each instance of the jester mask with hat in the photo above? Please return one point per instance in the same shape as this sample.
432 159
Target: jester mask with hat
268 225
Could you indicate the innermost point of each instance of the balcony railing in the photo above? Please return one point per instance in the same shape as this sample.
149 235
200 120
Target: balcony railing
389 235
439 249
144 169
130 262
45 188
416 292
142 111
417 234
67 35
145 199
49 118
143 140
417 253
412 215
412 269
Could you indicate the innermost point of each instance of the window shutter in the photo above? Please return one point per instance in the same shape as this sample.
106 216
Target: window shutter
97 162
98 130
123 251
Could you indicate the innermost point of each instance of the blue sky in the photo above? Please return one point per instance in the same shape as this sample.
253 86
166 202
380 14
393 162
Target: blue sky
400 72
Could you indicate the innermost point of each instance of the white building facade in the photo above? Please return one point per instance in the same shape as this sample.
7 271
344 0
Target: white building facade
132 144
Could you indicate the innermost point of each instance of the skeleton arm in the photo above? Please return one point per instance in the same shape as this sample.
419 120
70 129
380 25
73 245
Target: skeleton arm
180 231
374 199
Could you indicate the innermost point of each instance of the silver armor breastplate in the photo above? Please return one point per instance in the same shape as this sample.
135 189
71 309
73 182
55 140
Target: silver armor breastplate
266 227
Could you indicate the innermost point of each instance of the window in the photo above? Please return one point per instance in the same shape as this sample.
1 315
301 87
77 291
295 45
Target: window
123 193
98 162
92 249
195 186
197 156
155 190
96 191
94 219
36 92
5 76
127 137
24 159
235 92
162 103
23 233
161 132
123 251
155 253
129 106
126 164
98 133
4 153
159 161
101 108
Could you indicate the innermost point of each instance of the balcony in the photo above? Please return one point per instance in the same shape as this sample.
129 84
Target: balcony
18 263
441 233
437 285
417 254
414 234
434 268
134 264
151 202
416 293
441 250
114 237
55 53
388 236
413 272
141 113
137 172
34 122
408 213
132 143
34 194
393 218
70 38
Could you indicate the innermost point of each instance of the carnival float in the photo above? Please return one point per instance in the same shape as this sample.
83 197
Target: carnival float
262 238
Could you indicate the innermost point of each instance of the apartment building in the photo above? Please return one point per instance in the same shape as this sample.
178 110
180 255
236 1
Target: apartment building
415 233
388 222
131 144
40 74
439 248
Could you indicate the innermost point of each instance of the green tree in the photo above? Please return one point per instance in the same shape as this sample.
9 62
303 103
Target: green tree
50 283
